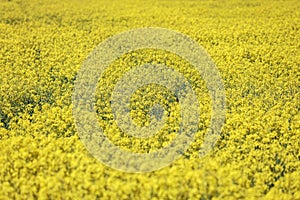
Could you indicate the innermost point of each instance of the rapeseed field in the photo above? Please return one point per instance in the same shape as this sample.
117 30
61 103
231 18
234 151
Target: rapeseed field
255 46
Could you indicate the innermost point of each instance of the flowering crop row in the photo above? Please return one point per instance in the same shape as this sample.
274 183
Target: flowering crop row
256 47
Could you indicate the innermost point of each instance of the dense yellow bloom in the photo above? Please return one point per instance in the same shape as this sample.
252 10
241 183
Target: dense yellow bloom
255 45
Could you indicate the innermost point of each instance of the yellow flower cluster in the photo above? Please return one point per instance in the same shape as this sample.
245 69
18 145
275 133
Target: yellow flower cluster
255 45
146 97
